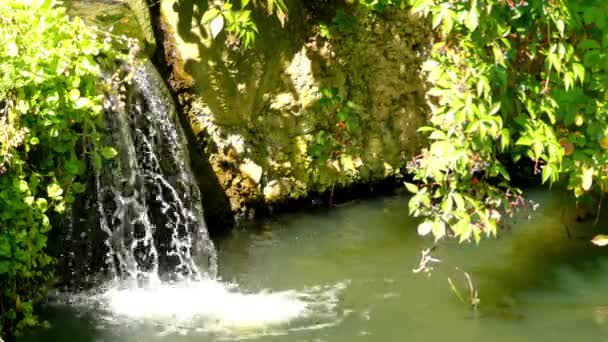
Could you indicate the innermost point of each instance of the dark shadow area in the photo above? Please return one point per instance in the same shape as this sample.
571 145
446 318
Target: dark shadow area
78 243
216 206
230 78
83 329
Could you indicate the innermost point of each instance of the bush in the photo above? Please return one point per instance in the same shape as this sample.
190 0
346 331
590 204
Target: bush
510 81
50 123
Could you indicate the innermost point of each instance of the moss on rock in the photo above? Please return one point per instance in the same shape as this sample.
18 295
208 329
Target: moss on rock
263 106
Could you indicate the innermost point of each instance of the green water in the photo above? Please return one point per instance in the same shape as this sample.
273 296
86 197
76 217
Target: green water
534 283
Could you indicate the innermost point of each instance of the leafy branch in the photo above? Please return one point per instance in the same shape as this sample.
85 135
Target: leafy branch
509 81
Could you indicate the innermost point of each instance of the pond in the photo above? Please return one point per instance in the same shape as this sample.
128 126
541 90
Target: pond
346 275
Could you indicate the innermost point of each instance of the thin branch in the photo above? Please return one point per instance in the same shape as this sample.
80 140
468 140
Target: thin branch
599 209
473 295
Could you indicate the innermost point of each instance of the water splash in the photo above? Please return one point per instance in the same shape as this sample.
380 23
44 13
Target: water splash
157 254
205 307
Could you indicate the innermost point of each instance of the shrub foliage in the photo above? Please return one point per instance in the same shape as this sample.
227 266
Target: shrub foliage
510 80
50 123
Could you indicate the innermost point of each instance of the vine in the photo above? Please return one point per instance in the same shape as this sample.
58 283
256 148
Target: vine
509 81
239 22
335 146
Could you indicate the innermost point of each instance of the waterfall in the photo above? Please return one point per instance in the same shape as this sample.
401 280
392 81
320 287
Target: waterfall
151 204
141 225
145 204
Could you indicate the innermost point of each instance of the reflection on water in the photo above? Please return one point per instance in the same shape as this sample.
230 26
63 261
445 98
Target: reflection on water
346 275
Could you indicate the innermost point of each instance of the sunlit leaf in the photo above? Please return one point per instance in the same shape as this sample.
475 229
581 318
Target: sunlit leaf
216 25
438 229
54 190
472 20
600 240
425 228
210 14
411 187
579 71
109 152
587 178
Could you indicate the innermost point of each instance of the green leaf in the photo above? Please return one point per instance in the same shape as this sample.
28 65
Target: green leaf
411 187
560 27
555 62
78 188
546 173
83 103
437 135
472 20
524 141
437 18
438 229
460 205
446 205
54 190
216 25
505 139
74 95
600 240
588 44
495 108
46 223
73 167
579 71
499 57
12 50
42 204
5 247
568 82
210 14
425 228
435 91
60 207
22 185
419 6
587 178
109 152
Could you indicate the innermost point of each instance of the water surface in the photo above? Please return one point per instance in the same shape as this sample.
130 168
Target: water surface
346 275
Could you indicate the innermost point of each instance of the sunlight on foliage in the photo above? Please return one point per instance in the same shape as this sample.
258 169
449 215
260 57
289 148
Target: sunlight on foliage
51 120
239 22
509 81
335 148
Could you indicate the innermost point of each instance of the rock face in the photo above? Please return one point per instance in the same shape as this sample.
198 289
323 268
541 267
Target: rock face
300 112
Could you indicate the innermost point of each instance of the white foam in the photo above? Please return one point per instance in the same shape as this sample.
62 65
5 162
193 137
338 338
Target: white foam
208 300
210 306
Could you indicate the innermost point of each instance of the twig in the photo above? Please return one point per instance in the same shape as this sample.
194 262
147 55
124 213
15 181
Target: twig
456 291
425 259
599 209
473 295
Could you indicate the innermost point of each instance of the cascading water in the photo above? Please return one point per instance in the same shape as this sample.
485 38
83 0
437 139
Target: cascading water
148 201
145 206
